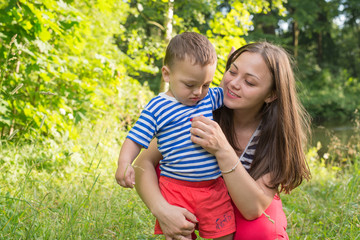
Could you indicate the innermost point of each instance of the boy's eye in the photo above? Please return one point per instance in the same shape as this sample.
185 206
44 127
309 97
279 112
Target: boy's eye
189 85
206 85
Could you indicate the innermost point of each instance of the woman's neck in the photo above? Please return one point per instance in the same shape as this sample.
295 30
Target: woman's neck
245 124
246 119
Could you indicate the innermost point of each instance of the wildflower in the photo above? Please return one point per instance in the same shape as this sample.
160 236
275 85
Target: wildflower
62 111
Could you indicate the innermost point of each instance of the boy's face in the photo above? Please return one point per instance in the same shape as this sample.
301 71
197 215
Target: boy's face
188 83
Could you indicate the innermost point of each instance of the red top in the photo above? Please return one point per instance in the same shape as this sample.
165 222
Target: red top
272 226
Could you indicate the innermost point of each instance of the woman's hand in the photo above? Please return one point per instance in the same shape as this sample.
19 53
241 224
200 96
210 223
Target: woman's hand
208 134
176 222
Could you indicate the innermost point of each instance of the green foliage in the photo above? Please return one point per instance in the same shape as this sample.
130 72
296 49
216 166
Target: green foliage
323 37
328 96
224 22
64 188
74 76
330 84
29 78
59 65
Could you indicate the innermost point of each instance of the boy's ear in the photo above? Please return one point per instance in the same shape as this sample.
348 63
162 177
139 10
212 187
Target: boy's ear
272 97
165 71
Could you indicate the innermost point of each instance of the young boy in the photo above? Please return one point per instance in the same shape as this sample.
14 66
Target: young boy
190 176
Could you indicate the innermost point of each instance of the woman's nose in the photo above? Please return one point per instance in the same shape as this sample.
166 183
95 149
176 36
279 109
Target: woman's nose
235 83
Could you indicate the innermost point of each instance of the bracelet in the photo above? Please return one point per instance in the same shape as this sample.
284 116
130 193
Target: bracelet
232 169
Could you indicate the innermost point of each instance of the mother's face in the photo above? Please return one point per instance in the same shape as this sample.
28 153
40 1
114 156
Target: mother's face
247 83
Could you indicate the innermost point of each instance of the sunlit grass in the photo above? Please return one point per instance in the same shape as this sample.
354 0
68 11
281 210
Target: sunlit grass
327 207
65 189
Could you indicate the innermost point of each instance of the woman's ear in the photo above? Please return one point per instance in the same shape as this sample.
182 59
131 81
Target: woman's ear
165 71
272 97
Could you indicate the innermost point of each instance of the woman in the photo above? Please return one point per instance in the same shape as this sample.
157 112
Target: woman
262 126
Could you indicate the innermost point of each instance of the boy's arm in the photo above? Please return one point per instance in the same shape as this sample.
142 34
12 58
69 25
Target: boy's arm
217 97
125 175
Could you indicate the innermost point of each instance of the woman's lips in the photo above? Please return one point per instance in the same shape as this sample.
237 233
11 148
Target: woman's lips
232 94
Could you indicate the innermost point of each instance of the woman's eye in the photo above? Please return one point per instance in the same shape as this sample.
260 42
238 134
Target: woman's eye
232 72
249 83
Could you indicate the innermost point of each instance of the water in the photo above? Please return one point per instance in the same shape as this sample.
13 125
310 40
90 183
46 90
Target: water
324 132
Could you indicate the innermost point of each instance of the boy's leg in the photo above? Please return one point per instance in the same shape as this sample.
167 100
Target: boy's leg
177 195
215 212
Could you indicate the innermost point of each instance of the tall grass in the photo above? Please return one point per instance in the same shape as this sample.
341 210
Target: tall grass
65 189
61 189
327 207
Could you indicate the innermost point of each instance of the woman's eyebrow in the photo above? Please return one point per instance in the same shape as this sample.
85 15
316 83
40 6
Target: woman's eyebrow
252 75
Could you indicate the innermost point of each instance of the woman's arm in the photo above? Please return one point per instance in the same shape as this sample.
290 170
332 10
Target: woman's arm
173 220
251 197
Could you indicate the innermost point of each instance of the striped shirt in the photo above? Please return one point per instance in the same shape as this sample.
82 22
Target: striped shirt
248 154
169 120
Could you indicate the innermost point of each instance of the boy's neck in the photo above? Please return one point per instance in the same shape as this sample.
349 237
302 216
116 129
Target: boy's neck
169 93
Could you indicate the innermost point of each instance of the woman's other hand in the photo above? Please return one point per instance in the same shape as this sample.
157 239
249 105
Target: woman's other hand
176 222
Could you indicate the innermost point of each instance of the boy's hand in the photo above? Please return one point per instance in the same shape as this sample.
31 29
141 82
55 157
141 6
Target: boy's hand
125 176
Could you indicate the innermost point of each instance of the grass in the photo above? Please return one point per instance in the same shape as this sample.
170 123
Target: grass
61 189
327 207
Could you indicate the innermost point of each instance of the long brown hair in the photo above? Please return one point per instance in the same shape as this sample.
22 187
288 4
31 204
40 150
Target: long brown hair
284 126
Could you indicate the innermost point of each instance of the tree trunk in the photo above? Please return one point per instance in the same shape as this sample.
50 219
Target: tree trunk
164 86
296 33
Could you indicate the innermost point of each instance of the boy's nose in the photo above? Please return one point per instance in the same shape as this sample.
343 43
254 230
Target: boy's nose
197 91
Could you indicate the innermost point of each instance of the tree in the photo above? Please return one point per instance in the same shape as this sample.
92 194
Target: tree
57 64
224 22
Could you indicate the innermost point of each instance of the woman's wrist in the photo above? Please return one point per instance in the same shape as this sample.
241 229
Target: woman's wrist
227 160
159 208
230 170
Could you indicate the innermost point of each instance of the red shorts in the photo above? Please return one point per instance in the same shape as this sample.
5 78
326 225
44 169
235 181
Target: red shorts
209 201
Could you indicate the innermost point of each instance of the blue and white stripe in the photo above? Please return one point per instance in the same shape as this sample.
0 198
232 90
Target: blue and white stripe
248 154
169 120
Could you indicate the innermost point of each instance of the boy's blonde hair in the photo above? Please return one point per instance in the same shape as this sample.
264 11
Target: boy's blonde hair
192 45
